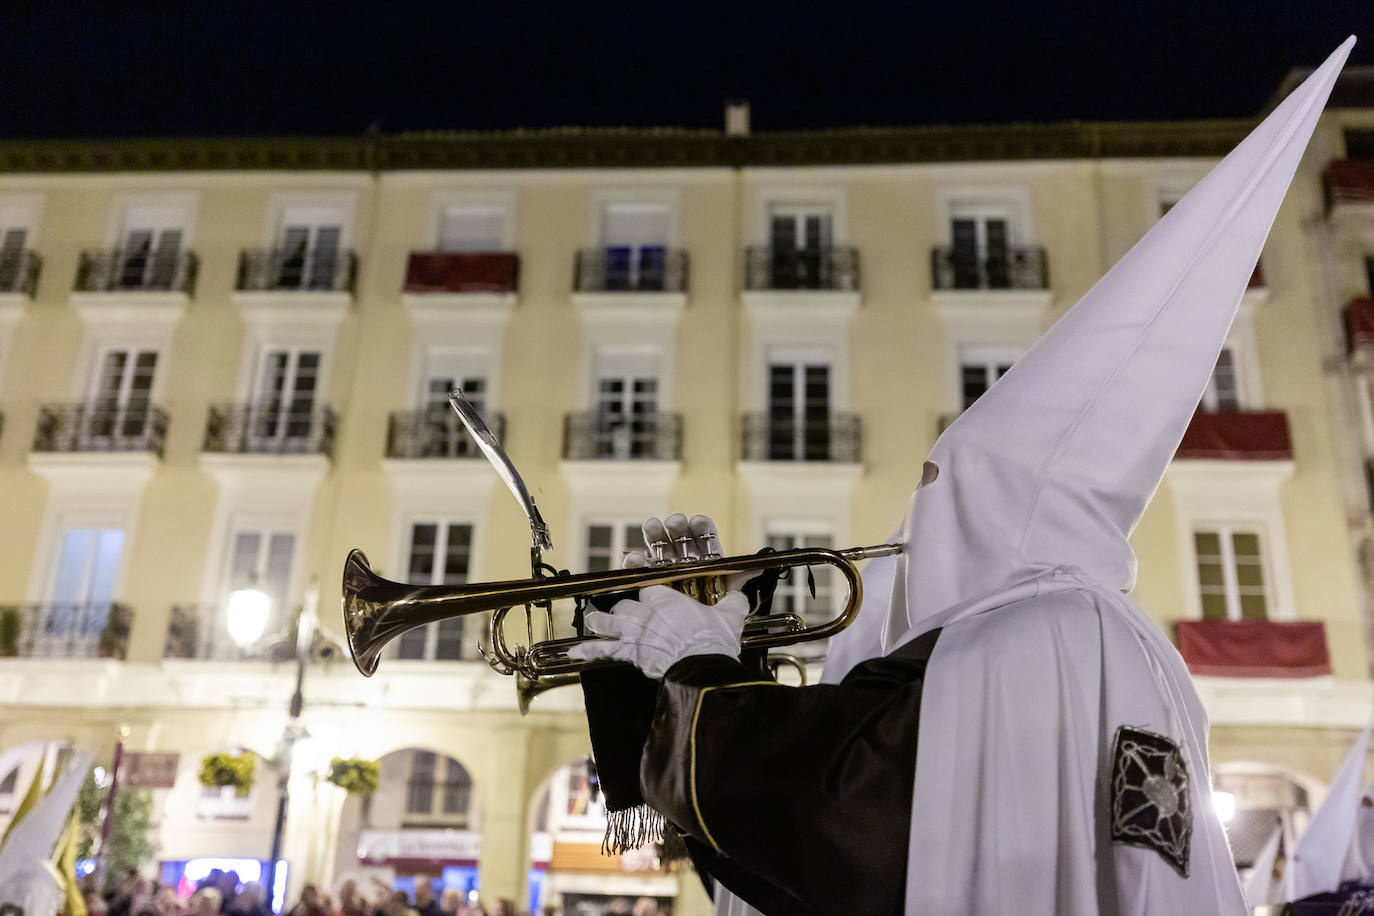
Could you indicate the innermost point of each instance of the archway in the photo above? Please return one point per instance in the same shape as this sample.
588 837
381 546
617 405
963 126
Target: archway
567 868
421 827
1258 799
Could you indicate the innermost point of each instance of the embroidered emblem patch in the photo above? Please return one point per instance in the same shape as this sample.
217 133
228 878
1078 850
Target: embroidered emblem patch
1151 804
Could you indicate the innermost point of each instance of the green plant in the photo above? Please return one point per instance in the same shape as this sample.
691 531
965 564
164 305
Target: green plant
89 803
228 770
355 775
130 844
114 639
9 632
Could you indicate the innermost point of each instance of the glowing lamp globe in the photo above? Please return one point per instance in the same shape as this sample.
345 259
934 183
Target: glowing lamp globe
1225 805
248 610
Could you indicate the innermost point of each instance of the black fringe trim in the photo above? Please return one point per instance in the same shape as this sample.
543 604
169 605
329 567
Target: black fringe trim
631 828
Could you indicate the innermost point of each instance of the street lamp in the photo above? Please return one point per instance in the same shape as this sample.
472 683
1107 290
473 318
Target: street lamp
248 612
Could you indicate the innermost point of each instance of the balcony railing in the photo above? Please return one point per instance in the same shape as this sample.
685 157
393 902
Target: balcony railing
835 268
646 269
109 270
270 429
65 630
199 631
1349 181
436 433
19 272
1253 648
462 272
1237 435
772 438
1018 267
593 435
100 428
292 269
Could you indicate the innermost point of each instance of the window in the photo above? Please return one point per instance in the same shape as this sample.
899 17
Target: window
438 790
1223 388
309 243
608 542
798 409
799 235
626 404
635 238
284 403
121 397
447 437
440 554
261 558
81 591
1231 578
1368 270
11 256
150 240
472 228
979 368
980 241
793 594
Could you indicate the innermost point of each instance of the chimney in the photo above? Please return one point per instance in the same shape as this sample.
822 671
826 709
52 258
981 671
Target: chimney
737 118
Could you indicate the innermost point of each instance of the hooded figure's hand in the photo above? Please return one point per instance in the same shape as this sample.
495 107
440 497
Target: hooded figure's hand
664 625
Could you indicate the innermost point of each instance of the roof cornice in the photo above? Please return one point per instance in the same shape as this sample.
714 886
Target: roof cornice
571 148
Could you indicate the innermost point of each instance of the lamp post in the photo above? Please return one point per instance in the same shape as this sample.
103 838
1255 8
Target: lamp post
249 609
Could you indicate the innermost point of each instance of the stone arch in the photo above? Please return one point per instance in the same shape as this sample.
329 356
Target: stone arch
1266 797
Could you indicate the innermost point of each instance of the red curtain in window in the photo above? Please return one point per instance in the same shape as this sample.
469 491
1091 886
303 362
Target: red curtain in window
1253 648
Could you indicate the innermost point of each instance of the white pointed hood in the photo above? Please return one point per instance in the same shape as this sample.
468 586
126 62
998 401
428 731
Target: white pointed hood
1054 465
1315 866
27 877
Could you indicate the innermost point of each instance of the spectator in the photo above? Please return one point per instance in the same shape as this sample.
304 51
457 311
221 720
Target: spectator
351 902
645 906
251 901
504 907
205 902
451 901
399 905
310 904
425 904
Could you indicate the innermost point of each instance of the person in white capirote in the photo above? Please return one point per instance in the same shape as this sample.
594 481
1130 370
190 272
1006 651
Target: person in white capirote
1001 711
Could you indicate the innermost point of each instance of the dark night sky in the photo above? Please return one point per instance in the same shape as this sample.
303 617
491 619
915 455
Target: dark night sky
196 67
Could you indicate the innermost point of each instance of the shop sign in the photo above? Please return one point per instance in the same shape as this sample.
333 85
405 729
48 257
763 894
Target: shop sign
148 771
449 847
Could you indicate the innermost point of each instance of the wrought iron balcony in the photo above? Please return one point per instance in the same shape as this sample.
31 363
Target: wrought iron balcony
98 427
1018 267
199 631
292 269
109 270
19 272
462 272
593 435
435 433
65 630
766 437
835 268
645 269
270 429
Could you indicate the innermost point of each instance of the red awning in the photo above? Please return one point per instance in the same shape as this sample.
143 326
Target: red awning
1237 435
1359 323
1349 180
450 272
1253 648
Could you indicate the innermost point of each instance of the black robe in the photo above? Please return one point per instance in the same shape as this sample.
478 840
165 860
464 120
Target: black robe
796 799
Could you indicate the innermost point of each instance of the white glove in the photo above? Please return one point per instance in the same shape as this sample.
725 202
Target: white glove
663 627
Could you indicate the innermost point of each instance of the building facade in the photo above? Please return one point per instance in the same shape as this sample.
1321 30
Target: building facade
223 364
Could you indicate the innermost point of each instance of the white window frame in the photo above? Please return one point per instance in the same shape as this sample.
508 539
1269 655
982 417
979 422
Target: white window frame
503 201
768 197
45 568
619 543
1011 202
436 816
22 210
1225 532
1209 397
987 356
782 526
330 208
173 210
669 199
231 524
258 392
403 555
470 362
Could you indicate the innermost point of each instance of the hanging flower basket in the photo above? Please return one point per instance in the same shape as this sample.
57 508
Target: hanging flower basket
228 770
354 775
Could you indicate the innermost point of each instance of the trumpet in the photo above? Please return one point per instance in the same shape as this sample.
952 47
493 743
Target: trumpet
376 611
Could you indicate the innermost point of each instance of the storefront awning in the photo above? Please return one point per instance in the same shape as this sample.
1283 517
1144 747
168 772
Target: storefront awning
420 848
1253 648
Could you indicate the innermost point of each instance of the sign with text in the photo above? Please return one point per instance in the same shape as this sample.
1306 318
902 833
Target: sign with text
149 771
448 847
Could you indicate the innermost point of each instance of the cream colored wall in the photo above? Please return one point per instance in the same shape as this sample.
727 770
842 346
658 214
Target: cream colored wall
901 379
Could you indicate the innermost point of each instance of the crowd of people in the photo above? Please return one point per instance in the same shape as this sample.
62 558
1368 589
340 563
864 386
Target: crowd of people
222 893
